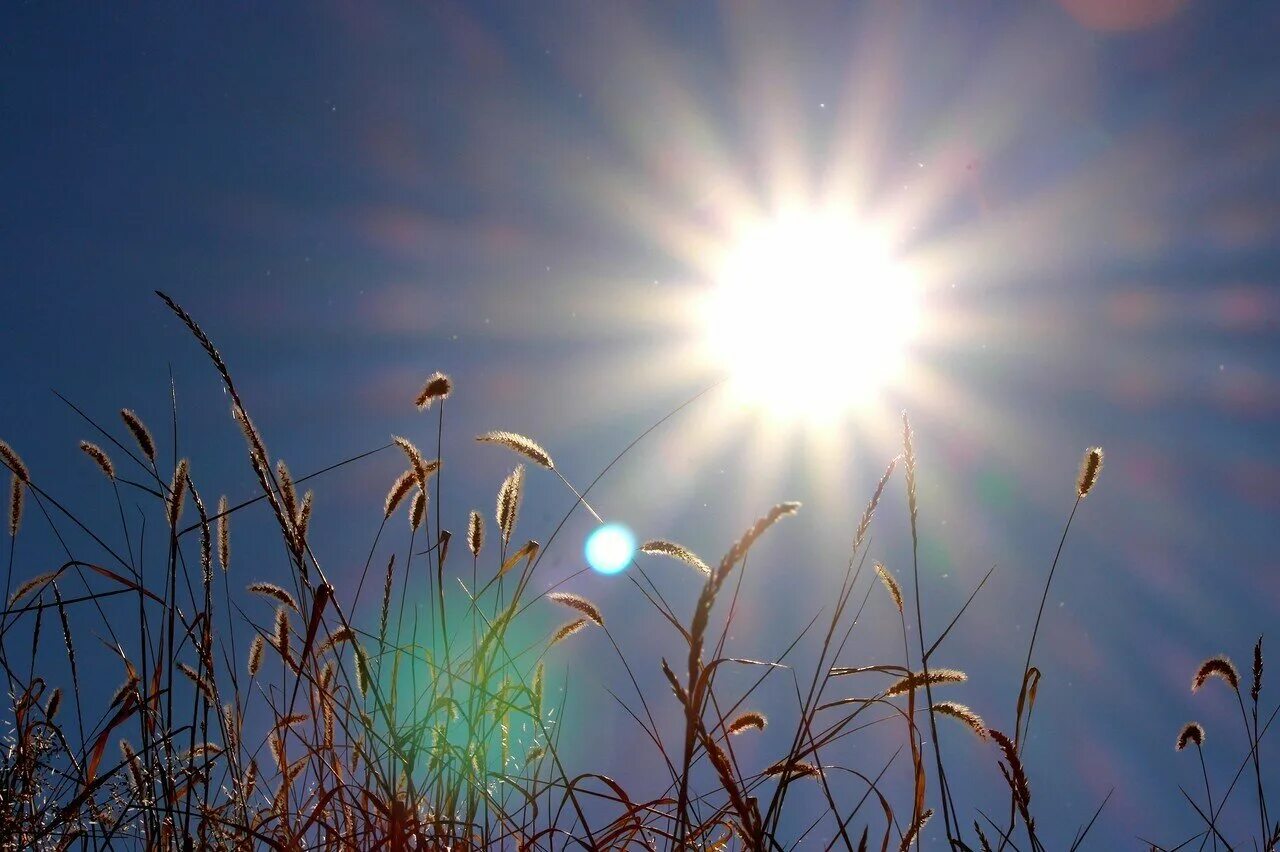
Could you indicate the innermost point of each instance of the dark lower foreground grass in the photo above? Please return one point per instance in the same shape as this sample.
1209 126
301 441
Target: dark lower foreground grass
432 728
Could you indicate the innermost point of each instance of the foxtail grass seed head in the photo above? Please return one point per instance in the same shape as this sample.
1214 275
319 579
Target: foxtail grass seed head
399 489
255 655
1192 732
422 468
55 702
917 680
526 447
793 768
303 520
281 637
288 493
31 585
475 533
362 669
224 533
1256 689
534 753
750 720
959 711
141 434
123 691
276 593
916 827
659 547
579 603
100 458
1090 467
438 386
177 492
509 503
337 637
1017 777
386 598
14 461
1219 666
135 766
567 630
206 689
891 585
15 505
418 509
909 458
742 545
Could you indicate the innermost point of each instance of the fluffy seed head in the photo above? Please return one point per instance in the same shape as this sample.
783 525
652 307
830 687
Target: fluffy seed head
271 590
141 434
422 468
1017 777
1192 732
29 586
418 509
659 547
475 533
55 702
438 386
399 488
288 493
100 458
747 721
1256 689
1219 666
509 502
909 457
14 461
891 585
568 630
362 669
916 680
1090 467
342 634
794 768
916 827
742 545
959 711
177 492
386 597
255 655
201 684
525 446
281 637
224 533
123 691
579 603
15 505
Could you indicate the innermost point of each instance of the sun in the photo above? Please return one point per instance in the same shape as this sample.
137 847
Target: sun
811 316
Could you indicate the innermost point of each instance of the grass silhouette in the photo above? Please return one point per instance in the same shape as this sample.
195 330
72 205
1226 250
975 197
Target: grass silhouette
308 730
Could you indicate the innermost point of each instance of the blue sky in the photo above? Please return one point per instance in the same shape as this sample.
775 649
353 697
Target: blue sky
349 197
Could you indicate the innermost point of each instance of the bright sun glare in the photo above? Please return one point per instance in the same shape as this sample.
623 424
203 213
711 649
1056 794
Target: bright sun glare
811 316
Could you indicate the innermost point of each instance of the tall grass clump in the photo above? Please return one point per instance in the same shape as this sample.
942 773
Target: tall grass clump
255 709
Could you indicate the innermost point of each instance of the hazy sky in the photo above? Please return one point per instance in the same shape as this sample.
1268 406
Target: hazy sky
350 196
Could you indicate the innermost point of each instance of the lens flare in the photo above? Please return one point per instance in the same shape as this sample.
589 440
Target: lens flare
610 548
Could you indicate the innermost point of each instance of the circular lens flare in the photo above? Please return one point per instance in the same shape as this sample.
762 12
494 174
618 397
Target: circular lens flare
610 548
811 316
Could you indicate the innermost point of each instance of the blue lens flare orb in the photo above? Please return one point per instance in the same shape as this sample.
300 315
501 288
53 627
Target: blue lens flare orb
610 548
